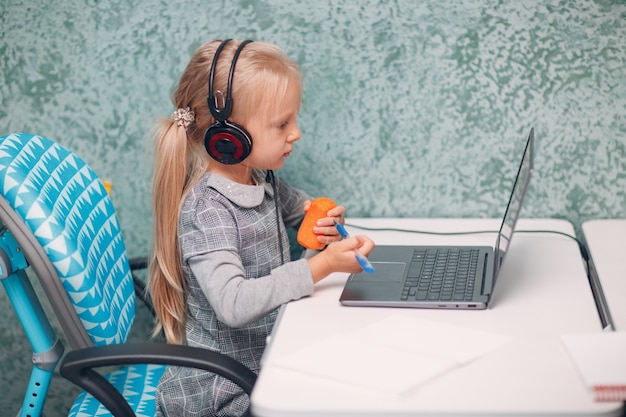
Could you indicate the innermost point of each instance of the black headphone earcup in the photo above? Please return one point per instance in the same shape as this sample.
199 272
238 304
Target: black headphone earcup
227 142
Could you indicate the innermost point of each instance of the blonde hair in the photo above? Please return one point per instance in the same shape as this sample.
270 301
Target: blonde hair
262 75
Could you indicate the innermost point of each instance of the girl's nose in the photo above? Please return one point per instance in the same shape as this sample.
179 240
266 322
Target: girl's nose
295 135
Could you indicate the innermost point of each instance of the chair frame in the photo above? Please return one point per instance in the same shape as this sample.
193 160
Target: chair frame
78 367
47 348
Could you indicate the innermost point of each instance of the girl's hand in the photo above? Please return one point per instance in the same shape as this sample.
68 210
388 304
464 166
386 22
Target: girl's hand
325 227
340 257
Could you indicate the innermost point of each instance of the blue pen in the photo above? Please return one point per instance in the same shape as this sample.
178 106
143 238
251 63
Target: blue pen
361 259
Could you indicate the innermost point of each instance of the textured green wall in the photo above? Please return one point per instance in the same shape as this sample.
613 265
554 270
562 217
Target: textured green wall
410 108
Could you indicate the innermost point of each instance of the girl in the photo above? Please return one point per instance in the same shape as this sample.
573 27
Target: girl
220 267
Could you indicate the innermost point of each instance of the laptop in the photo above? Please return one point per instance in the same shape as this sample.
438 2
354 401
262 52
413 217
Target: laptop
457 277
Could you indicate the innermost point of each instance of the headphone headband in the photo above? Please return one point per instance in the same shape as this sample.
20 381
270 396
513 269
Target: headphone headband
224 113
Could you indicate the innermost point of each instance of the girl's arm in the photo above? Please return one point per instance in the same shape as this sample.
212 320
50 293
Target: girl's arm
238 301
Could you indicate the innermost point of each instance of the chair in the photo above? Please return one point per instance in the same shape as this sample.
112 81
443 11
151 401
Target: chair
58 220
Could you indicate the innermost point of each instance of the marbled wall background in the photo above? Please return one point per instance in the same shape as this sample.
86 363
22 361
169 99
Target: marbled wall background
410 108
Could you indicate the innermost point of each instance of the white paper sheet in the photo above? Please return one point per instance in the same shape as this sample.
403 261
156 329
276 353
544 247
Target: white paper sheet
392 355
599 357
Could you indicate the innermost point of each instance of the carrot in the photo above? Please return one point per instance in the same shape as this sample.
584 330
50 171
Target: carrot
319 209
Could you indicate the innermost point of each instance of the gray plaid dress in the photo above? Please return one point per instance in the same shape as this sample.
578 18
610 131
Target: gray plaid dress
232 264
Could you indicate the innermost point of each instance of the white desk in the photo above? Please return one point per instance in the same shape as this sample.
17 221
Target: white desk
607 246
535 302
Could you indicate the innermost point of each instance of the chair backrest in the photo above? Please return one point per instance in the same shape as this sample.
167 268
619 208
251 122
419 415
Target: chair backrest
70 218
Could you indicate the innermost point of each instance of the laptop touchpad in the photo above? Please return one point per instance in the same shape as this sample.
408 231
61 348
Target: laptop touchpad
384 272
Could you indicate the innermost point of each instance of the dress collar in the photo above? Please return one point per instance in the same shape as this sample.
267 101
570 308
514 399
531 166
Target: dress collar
246 196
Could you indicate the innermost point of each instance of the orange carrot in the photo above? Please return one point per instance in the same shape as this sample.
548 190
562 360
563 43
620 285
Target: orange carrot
319 209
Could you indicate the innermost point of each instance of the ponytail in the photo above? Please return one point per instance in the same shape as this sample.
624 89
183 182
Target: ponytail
166 284
171 179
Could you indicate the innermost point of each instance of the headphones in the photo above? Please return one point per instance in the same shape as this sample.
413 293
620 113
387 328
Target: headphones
225 141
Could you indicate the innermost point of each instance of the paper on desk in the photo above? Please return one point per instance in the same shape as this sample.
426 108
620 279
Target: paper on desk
392 355
601 362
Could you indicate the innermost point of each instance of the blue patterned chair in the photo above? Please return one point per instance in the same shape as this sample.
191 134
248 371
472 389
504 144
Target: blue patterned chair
58 220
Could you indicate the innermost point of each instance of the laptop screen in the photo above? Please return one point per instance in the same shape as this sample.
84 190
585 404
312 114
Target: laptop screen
515 203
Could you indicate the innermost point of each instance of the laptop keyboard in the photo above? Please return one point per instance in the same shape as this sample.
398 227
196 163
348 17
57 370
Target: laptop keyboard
441 274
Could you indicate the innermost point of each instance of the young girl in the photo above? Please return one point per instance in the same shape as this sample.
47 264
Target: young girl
220 267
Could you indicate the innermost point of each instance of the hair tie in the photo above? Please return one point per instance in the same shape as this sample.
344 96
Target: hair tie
183 117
